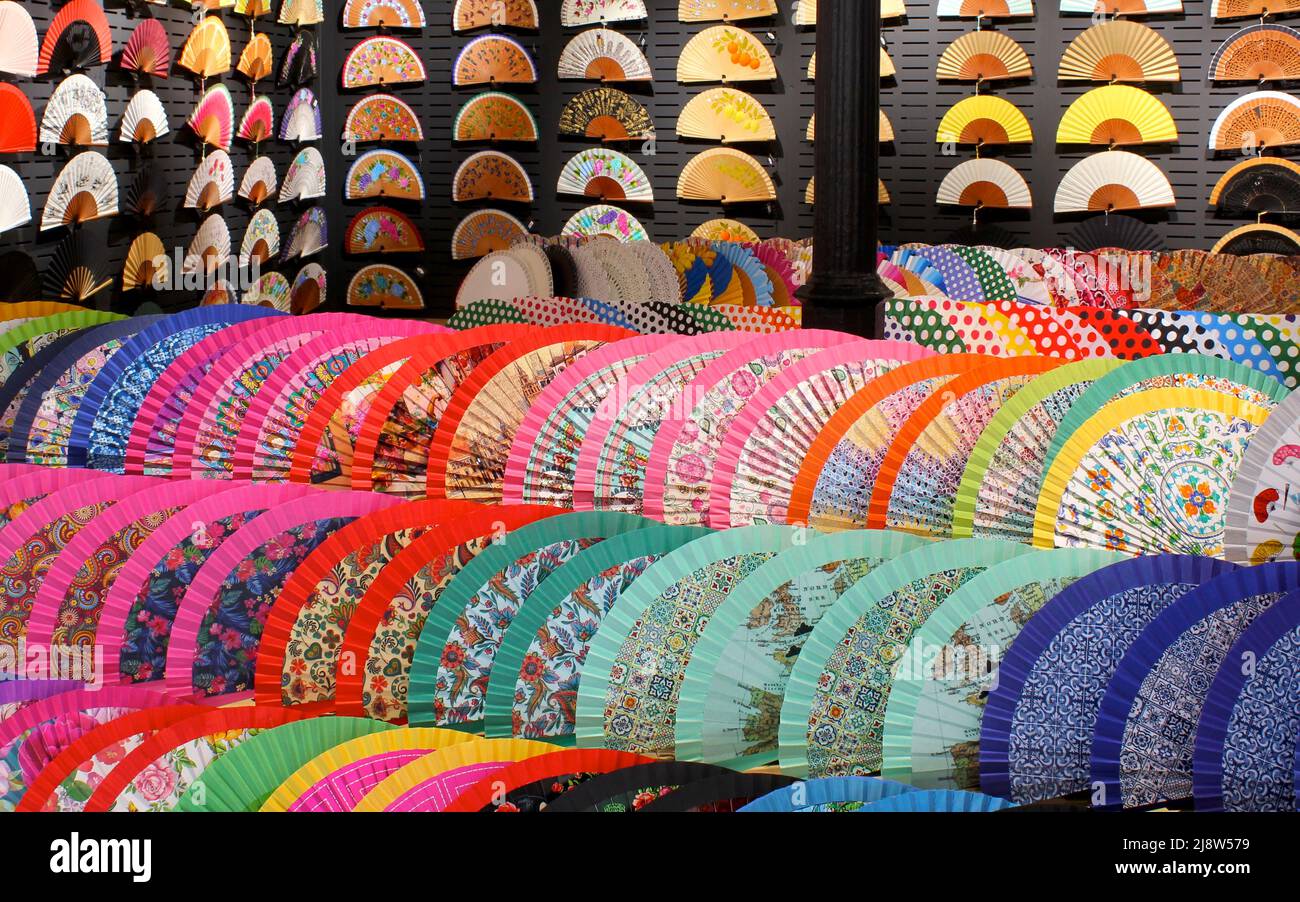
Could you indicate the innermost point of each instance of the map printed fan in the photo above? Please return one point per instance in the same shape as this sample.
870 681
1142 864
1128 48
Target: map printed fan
85 189
983 56
207 50
985 183
606 175
144 119
146 261
383 14
301 121
1257 186
210 246
491 175
727 115
984 9
386 287
18 50
213 118
15 206
259 181
382 61
607 114
724 10
382 117
299 65
258 123
212 184
1259 238
494 116
473 14
305 179
886 131
603 221
384 173
17 121
148 50
484 231
1121 7
1257 122
1252 9
310 235
1115 116
493 59
604 55
301 12
76 114
1119 51
1258 53
255 63
382 230
1113 180
576 13
724 54
726 175
261 239
78 37
77 272
984 120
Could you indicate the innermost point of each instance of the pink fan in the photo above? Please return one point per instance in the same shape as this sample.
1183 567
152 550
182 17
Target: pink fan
12 471
680 467
544 456
218 625
345 787
140 607
29 483
765 445
100 704
440 790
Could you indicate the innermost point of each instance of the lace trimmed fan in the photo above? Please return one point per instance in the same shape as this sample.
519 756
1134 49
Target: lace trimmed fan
1116 115
728 115
381 61
259 181
255 63
1113 180
384 173
301 121
574 13
212 184
1119 51
386 287
213 117
607 114
210 247
382 230
15 206
261 238
984 120
471 14
1257 121
148 50
85 189
146 261
17 121
493 59
724 10
1257 186
494 116
724 54
726 175
983 56
1258 53
383 14
985 183
604 55
491 175
78 37
305 179
607 175
144 119
76 114
258 123
18 49
382 117
483 232
207 50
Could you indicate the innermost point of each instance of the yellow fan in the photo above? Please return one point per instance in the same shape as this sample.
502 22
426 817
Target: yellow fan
146 260
1120 50
984 120
726 175
255 62
887 69
207 50
724 10
983 56
400 788
1116 116
727 115
810 193
725 54
886 128
725 230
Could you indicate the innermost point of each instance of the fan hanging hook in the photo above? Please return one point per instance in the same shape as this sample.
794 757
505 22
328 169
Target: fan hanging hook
975 215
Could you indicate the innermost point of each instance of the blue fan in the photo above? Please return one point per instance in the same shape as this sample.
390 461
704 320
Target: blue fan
1146 726
14 390
608 313
103 423
915 262
829 794
1297 774
1036 735
961 282
745 261
946 800
1246 739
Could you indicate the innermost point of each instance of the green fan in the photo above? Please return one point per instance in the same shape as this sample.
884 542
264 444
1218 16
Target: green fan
731 695
458 645
833 716
993 279
633 674
533 687
244 778
932 721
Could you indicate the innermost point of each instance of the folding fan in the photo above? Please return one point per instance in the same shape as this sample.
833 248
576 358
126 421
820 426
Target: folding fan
301 120
258 123
1116 115
212 183
78 37
985 183
15 206
305 179
1257 122
602 54
144 119
259 181
255 62
608 114
382 117
725 54
471 14
1262 505
483 232
383 14
147 193
433 782
726 175
983 56
493 59
1257 186
491 175
17 121
1115 231
604 220
575 13
271 290
1259 238
607 175
210 246
384 286
1113 180
75 114
301 12
299 66
1121 7
836 794
213 118
148 50
1119 51
494 116
532 785
1251 9
18 54
727 115
725 230
381 61
310 235
724 10
984 120
308 291
984 9
207 50
261 240
84 189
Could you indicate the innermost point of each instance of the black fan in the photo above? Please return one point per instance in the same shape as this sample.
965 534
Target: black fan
147 194
299 65
21 282
77 48
1259 239
1259 186
79 269
563 270
1117 231
984 234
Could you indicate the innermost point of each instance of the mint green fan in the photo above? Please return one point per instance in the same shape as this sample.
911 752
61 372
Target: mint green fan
459 642
533 688
932 721
633 675
832 720
730 702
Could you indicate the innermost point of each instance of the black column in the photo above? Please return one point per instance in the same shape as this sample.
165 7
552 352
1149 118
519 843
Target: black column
844 292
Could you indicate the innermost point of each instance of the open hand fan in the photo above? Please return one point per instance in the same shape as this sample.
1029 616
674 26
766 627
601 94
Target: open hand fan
1263 517
305 179
272 289
604 220
383 173
1259 238
607 114
25 377
1256 122
259 181
78 37
309 236
724 10
301 120
576 13
85 189
213 118
75 114
727 115
144 119
493 59
433 782
1119 50
1258 53
382 230
532 785
483 232
471 14
255 62
17 120
15 206
384 286
985 183
725 230
726 175
258 123
984 119
837 794
213 182
299 65
301 12
148 50
1122 7
1116 115
1257 186
724 793
724 54
383 117
491 175
1113 180
981 56
383 14
146 263
78 271
607 175
210 246
207 49
634 789
381 61
1115 231
984 9
1251 9
603 54
494 116
18 55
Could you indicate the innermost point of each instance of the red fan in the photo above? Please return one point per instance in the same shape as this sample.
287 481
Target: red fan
78 37
17 121
148 50
530 784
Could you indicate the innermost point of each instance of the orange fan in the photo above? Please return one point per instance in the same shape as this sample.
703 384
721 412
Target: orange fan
383 14
1252 9
1258 53
494 59
1257 121
384 286
382 230
17 121
207 49
726 175
74 49
494 116
471 14
491 175
255 62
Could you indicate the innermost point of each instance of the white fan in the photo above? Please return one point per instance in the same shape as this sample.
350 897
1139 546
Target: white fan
18 49
85 189
985 182
301 119
15 207
305 178
76 114
605 174
264 229
144 119
1113 180
308 235
213 182
259 181
606 55
598 12
210 247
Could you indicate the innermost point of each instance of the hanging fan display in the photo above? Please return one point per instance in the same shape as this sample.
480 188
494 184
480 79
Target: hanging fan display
1116 115
388 287
1252 9
727 115
18 55
602 54
77 38
258 123
1119 50
724 10
1260 238
1258 53
494 116
305 179
1113 180
491 175
213 118
299 65
981 56
726 175
210 246
602 220
381 61
76 114
84 189
984 119
984 9
1260 185
212 184
255 62
493 59
17 120
259 181
261 240
382 230
1256 122
469 15
576 13
607 114
302 119
144 119
724 54
15 206
207 49
383 173
483 232
984 183
607 175
301 12
382 117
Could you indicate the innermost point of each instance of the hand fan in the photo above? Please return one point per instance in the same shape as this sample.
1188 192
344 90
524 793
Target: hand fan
271 290
1116 115
383 117
602 220
77 271
484 232
148 50
491 175
255 62
1115 230
760 320
532 785
144 119
305 179
1113 180
829 793
1119 50
384 286
471 14
213 182
1258 53
633 789
606 175
85 189
301 120
724 10
607 114
299 65
1259 238
725 230
75 114
301 12
1122 7
985 9
18 386
382 230
726 175
726 115
17 121
1257 122
383 173
259 181
1251 9
984 119
21 490
932 722
78 37
1257 186
18 54
1246 736
146 263
381 61
602 54
981 56
1143 741
494 116
724 793
32 701
19 344
996 286
1263 516
309 235
207 49
1043 687
576 13
468 453
985 183
817 736
940 800
213 118
383 14
733 685
15 206
209 249
433 782
493 59
258 122
724 54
